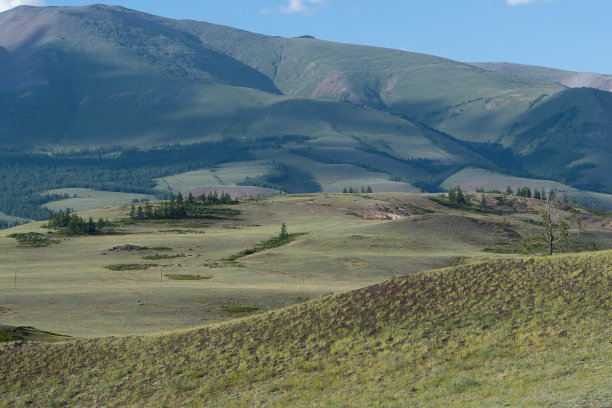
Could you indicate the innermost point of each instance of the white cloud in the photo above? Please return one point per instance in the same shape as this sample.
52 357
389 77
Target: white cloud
307 7
9 4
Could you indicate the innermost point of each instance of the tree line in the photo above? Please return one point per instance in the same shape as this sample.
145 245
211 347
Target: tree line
69 223
352 190
180 207
25 175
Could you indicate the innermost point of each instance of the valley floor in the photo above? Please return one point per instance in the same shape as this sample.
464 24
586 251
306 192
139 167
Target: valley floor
348 241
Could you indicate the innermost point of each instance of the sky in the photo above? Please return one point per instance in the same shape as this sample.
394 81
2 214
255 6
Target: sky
565 34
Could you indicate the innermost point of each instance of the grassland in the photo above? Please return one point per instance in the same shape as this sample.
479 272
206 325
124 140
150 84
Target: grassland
11 219
514 332
86 199
332 177
350 241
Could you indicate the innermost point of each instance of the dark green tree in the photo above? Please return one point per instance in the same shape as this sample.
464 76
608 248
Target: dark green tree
148 210
91 226
283 233
460 197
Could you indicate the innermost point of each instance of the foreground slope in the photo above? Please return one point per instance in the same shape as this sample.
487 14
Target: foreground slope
530 332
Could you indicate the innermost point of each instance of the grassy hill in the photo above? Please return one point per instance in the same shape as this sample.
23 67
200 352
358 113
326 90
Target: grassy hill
526 332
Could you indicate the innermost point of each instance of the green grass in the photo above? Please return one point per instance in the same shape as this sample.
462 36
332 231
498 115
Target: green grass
8 336
524 332
186 277
130 267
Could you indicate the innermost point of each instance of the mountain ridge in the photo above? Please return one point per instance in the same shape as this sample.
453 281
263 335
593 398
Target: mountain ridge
102 75
571 79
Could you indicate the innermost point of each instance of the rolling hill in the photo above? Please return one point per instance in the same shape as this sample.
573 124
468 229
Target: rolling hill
528 332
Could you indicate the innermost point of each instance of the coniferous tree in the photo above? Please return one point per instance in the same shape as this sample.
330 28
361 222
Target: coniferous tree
283 233
460 197
91 226
148 210
452 196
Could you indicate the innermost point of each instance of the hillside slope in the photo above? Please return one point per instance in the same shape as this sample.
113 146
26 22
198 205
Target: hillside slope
556 139
570 79
532 332
442 93
102 75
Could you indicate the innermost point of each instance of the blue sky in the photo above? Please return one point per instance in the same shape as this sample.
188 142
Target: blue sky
567 34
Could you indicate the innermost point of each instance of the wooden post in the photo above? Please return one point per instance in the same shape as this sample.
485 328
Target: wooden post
160 277
15 278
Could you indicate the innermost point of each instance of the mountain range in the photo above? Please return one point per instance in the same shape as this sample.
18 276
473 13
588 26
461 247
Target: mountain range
85 77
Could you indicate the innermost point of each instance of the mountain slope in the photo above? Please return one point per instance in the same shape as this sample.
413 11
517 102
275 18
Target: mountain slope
100 75
461 336
568 138
439 92
570 79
